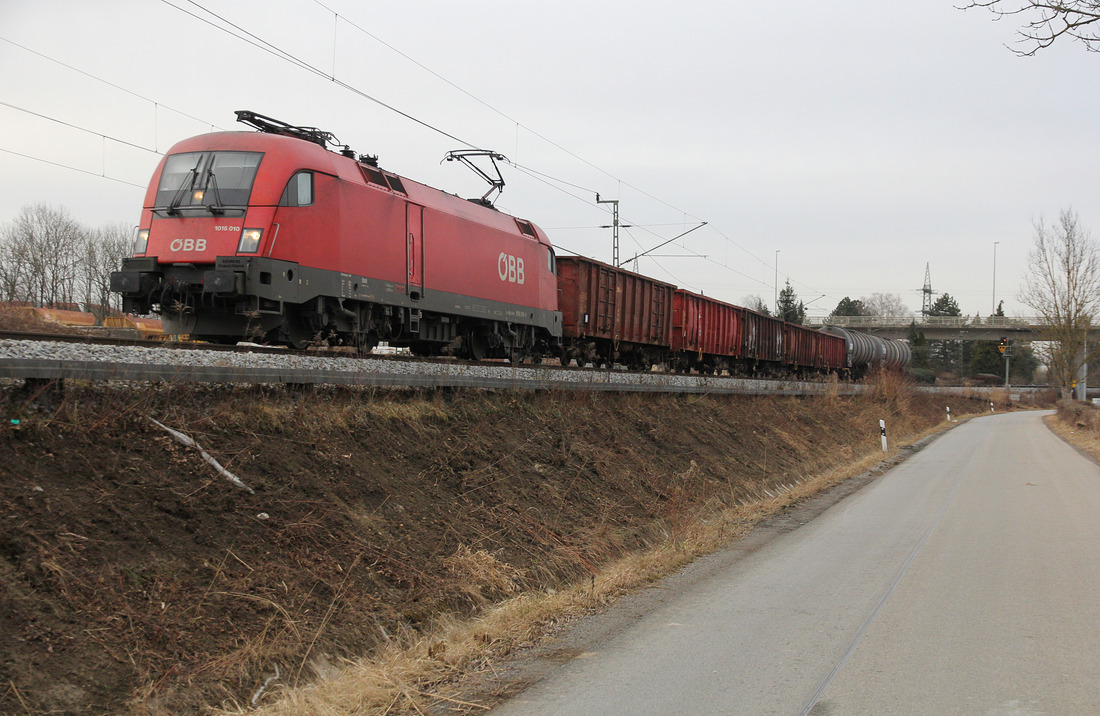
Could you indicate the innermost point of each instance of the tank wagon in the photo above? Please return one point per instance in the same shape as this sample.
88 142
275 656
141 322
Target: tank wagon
270 236
867 352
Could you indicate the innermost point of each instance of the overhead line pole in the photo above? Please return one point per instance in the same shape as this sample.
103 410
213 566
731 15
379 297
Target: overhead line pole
614 227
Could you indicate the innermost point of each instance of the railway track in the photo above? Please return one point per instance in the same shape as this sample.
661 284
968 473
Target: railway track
44 358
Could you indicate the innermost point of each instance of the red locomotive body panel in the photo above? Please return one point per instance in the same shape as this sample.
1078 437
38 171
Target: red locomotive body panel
705 326
604 302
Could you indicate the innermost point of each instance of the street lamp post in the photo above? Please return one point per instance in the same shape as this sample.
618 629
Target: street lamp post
777 282
994 278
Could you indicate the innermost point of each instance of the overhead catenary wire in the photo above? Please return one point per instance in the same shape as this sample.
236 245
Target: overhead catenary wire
82 129
240 33
289 57
108 83
531 131
528 170
75 169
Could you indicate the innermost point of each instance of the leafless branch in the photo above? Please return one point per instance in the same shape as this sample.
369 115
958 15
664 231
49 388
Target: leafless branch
1047 22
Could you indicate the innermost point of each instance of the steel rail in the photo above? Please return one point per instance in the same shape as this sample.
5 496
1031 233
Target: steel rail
502 378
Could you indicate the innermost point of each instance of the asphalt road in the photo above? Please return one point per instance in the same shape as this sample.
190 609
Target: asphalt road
964 581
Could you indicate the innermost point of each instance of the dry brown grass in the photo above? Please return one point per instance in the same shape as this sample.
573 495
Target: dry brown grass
433 532
417 672
1077 424
478 571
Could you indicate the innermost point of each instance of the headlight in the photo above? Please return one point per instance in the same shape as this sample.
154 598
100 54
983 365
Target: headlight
250 241
141 242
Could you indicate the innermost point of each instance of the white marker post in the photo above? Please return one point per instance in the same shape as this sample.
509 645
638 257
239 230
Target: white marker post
991 407
949 413
882 429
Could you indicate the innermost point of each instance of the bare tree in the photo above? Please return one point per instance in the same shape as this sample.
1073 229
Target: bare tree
103 252
47 258
1046 21
1062 285
755 303
41 256
12 266
889 305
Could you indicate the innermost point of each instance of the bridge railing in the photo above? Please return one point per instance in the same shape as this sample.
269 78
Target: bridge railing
927 321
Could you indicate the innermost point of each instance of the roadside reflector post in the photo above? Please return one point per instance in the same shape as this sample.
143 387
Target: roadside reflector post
949 413
991 407
882 429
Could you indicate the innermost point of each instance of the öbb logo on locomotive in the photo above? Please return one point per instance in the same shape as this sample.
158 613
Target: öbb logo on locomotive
510 268
252 235
188 245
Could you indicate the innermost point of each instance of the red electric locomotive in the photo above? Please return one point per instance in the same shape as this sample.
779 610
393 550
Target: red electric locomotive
270 236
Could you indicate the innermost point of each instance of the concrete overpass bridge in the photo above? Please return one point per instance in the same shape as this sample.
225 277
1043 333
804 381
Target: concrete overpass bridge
962 328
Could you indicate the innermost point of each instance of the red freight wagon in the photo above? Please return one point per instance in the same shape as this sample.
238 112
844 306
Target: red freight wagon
833 352
706 334
611 313
762 340
809 348
799 346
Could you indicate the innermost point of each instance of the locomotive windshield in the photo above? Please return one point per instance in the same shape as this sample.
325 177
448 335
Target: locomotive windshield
210 180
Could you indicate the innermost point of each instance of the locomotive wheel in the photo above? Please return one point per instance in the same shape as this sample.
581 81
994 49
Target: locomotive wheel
298 333
477 347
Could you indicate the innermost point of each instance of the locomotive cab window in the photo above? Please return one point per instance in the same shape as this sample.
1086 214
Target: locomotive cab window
299 190
207 180
552 263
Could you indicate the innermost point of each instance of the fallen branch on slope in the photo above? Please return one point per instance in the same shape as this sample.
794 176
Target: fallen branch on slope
205 456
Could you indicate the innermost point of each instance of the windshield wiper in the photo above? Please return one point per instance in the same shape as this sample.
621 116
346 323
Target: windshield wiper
215 207
173 207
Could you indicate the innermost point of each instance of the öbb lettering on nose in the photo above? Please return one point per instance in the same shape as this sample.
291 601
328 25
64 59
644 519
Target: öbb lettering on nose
188 245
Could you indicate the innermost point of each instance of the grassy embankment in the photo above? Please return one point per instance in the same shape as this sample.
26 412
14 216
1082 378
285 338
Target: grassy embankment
394 542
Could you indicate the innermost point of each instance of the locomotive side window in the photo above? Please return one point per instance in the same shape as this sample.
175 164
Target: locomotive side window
299 190
553 264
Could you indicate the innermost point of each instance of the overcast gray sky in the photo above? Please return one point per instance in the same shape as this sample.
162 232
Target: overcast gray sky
858 138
